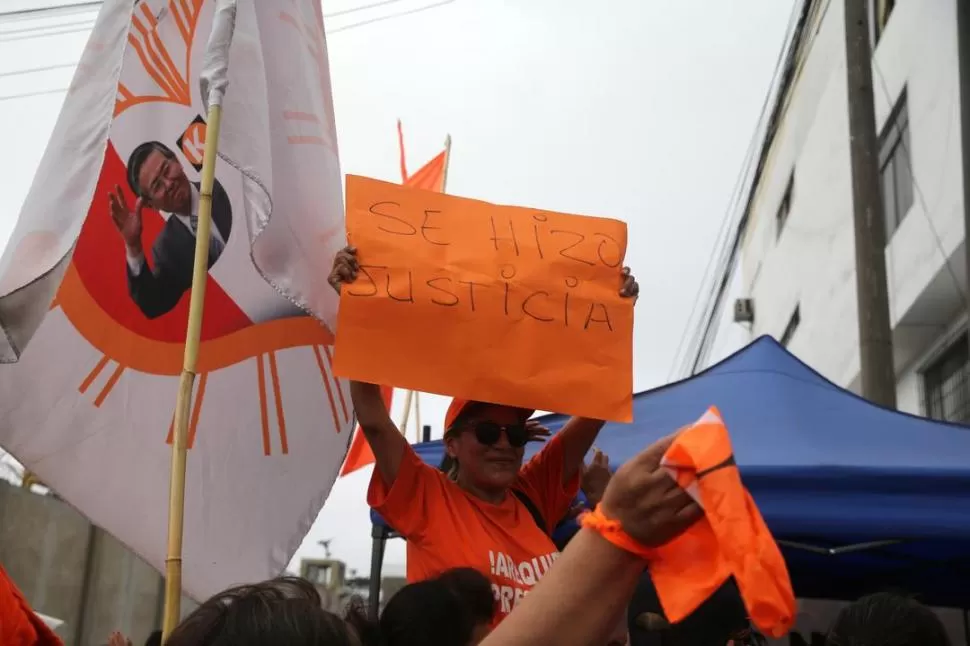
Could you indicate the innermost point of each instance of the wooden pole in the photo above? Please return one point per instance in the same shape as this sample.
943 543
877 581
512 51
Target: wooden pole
412 397
878 373
444 175
408 399
176 496
417 416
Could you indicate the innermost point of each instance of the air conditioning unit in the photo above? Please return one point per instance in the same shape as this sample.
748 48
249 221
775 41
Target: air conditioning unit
744 310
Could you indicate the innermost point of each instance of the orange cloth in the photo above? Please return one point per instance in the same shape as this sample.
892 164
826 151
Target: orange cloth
731 539
19 626
447 528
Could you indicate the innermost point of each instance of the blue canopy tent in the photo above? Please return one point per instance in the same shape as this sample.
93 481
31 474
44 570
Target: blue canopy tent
858 496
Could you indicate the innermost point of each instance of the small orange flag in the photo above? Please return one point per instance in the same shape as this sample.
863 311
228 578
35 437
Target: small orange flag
430 177
730 540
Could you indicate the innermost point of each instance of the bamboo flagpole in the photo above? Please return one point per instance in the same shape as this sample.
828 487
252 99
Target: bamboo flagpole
406 415
214 82
412 397
444 175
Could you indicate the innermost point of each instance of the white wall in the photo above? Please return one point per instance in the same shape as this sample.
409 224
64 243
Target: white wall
811 263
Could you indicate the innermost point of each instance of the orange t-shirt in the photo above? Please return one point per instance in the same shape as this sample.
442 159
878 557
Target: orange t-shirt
447 528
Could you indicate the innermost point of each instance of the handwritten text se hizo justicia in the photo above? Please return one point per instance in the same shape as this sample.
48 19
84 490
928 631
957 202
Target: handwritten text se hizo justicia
518 256
487 302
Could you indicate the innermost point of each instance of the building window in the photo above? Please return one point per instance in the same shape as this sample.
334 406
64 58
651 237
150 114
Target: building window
946 391
789 332
785 207
895 168
879 11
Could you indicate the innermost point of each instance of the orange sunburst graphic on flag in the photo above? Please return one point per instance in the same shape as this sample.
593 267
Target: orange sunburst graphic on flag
169 71
96 295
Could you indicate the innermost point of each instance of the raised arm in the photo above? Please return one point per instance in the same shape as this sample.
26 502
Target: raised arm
386 441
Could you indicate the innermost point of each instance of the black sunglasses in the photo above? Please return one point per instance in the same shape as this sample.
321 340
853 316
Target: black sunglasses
488 433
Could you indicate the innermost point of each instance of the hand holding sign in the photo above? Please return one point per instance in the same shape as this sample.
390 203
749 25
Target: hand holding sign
493 303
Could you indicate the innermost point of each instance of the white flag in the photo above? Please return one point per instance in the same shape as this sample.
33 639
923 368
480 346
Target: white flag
97 274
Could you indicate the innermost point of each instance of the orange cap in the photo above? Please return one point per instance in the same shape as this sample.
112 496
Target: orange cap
459 406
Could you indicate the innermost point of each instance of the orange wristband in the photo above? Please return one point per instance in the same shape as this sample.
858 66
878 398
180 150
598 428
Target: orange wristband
612 531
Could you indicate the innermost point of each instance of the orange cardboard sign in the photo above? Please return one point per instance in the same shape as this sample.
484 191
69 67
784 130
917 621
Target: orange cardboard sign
492 303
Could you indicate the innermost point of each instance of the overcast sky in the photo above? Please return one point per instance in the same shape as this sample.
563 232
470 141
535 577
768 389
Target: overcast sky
640 110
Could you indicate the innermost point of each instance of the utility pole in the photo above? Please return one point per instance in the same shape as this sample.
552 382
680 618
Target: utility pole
963 58
872 294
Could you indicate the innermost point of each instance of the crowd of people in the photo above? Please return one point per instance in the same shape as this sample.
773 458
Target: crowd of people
456 608
501 553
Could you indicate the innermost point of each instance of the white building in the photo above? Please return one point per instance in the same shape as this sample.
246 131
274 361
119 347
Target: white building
796 252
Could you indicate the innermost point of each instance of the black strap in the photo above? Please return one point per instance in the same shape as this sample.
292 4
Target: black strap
533 510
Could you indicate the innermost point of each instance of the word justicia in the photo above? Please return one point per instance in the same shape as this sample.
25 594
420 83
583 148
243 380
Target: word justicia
504 295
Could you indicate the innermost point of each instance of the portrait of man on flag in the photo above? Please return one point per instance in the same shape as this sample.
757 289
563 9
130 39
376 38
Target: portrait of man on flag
158 180
99 280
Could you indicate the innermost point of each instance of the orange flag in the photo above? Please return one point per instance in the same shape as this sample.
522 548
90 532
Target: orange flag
731 540
430 177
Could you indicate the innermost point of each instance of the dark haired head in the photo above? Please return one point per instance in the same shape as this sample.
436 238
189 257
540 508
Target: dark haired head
887 619
454 609
473 589
155 639
281 611
717 619
138 157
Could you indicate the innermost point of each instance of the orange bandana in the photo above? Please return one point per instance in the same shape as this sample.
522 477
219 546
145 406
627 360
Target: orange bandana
730 540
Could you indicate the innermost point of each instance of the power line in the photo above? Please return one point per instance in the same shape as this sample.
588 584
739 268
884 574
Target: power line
400 14
28 33
732 251
24 95
52 32
916 187
82 24
373 5
33 70
722 246
69 7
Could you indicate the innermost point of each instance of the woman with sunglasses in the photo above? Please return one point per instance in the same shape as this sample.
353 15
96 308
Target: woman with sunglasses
491 512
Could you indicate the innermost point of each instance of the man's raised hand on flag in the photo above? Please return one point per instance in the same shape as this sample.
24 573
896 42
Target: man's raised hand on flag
127 221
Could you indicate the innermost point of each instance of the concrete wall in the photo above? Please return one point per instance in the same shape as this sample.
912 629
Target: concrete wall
810 262
75 573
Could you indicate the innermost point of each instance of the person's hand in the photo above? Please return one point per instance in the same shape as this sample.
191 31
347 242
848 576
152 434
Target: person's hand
345 268
646 501
536 432
127 221
117 639
595 477
630 287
